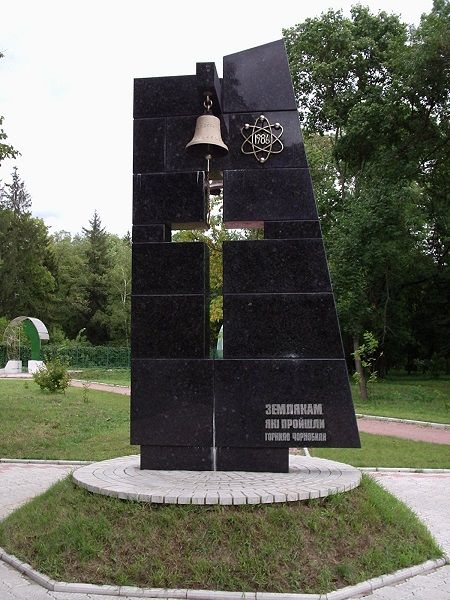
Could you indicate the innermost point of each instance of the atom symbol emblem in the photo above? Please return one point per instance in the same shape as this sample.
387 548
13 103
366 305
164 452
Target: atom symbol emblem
262 139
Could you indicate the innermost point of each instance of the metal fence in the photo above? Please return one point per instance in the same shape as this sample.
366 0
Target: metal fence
79 357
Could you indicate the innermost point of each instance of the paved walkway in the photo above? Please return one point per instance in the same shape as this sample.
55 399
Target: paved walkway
421 433
427 494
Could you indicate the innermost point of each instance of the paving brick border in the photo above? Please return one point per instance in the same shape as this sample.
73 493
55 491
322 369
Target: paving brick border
307 478
365 587
407 421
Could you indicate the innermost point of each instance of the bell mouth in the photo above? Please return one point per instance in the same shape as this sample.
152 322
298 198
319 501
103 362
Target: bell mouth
202 150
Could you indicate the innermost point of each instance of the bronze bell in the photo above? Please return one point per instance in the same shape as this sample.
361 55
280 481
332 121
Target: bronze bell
207 141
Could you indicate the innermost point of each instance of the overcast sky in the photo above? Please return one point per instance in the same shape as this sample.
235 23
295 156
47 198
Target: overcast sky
66 84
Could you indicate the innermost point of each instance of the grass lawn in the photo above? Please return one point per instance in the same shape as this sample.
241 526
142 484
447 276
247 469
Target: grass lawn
385 451
313 546
413 397
78 425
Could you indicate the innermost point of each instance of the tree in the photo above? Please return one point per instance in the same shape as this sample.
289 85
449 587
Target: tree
98 263
14 195
378 95
26 267
6 150
71 303
118 306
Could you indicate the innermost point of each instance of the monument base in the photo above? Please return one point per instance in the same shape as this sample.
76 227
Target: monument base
307 478
13 366
35 365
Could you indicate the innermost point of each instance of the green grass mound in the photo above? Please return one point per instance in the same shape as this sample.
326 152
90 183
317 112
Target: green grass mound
315 546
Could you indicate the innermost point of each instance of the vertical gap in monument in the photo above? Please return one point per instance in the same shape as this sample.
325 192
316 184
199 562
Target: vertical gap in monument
215 222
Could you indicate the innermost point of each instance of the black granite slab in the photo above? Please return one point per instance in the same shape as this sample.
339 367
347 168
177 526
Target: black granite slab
149 145
266 460
170 326
170 198
258 79
291 229
280 326
172 268
292 156
172 402
165 96
176 458
208 83
275 266
143 234
265 402
268 195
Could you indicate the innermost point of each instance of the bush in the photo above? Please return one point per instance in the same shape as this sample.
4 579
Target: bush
54 377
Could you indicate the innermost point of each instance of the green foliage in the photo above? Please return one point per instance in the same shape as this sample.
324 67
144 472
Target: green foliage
26 266
6 150
374 98
366 354
98 263
53 377
15 196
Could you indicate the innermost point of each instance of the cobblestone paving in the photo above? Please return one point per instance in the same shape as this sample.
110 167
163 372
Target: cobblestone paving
429 497
427 494
307 478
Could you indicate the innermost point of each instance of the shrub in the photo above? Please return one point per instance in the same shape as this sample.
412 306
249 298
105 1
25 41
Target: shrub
54 377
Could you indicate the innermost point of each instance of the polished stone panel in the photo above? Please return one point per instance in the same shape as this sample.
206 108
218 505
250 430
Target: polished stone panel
143 234
258 79
268 195
170 326
176 458
149 143
266 460
165 96
292 156
275 266
281 326
208 83
172 268
178 199
172 402
291 229
271 403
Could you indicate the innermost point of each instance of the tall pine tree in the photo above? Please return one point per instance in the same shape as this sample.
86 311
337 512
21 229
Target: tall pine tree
14 195
98 264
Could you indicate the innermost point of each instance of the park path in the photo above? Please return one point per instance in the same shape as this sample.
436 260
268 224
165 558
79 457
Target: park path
427 494
408 431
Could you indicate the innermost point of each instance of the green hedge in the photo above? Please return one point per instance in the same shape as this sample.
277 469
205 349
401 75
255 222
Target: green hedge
79 357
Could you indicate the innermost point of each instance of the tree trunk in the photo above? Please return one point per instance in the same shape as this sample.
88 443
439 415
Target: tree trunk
360 369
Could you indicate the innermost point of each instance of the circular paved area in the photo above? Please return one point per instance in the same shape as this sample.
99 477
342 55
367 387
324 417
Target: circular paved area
308 478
